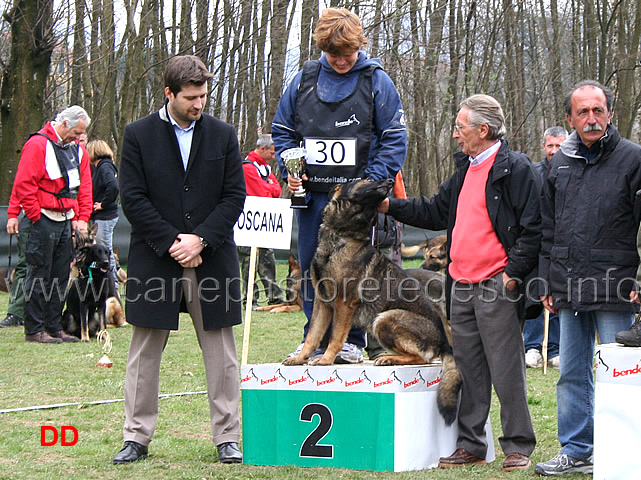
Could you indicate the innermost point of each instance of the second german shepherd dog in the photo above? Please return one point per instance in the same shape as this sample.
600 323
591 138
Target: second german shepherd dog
294 302
84 314
356 284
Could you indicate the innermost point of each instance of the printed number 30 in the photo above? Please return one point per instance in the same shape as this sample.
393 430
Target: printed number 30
310 447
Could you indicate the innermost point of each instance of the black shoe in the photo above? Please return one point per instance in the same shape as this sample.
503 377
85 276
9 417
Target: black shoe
131 452
229 453
632 337
11 320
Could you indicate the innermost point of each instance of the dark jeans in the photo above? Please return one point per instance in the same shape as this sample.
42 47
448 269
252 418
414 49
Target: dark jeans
49 254
533 334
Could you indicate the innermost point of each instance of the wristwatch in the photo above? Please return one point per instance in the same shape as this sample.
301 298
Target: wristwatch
204 242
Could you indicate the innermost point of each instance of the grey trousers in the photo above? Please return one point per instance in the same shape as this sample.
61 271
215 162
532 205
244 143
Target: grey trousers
488 349
143 373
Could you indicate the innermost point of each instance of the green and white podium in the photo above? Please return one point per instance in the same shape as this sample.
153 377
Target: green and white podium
360 417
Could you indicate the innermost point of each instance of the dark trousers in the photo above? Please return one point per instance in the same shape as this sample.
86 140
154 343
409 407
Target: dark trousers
266 269
488 349
16 297
49 254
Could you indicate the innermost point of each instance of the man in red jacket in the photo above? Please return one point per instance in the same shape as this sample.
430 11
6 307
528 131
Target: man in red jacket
53 186
261 182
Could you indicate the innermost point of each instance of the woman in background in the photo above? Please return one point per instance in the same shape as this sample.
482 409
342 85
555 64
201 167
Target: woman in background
105 193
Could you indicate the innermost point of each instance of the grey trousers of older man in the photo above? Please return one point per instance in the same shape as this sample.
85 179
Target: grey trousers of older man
488 349
143 374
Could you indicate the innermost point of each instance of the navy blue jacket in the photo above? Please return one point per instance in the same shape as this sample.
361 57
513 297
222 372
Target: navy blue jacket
388 146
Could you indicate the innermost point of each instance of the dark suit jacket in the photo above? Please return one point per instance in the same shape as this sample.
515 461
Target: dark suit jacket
160 199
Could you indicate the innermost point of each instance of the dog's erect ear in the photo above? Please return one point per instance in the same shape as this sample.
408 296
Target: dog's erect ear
335 191
94 230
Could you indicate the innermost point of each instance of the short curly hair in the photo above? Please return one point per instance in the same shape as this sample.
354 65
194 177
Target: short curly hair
339 31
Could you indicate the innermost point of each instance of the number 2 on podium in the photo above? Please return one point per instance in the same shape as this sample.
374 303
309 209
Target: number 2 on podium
310 447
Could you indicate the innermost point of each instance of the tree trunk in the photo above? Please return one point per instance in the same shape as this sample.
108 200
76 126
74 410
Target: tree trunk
24 82
279 35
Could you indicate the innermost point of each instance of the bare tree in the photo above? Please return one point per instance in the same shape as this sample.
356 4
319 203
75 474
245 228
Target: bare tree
24 81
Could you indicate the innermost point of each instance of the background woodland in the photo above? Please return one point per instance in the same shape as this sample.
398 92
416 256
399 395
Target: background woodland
109 55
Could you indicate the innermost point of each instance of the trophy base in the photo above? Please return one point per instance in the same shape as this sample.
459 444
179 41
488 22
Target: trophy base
298 202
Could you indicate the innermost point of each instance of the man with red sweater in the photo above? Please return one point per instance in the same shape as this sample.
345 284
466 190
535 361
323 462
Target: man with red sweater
261 182
490 207
53 186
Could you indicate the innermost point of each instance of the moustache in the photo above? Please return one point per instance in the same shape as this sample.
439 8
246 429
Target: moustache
590 128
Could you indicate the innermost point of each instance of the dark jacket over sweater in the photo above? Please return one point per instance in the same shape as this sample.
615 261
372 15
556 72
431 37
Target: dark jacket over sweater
105 189
590 220
512 196
160 199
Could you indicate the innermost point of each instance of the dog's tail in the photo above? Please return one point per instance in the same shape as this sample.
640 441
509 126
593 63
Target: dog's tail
412 250
447 396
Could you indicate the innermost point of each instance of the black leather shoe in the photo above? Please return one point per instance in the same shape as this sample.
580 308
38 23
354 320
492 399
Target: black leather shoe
229 453
11 320
131 452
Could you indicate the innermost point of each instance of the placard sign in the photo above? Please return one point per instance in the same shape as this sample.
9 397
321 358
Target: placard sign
264 223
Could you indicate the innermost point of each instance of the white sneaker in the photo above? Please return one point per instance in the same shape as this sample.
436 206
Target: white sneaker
555 362
315 354
533 358
562 464
350 353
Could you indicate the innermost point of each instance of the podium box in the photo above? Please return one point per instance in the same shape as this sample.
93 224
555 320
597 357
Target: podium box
359 417
617 423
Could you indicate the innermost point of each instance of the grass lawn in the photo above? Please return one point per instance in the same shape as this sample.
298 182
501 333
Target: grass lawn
36 374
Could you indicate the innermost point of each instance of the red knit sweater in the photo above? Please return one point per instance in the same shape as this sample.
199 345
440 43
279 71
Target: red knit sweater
476 252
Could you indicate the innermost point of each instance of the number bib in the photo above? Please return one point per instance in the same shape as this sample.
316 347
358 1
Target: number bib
336 135
331 152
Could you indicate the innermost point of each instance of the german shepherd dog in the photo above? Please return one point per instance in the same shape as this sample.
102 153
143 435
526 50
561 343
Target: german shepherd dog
434 252
294 302
356 284
84 314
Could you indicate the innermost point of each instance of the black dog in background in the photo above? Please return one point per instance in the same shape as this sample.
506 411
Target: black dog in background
84 314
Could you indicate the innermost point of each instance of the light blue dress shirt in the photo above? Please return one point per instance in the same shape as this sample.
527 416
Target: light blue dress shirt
184 137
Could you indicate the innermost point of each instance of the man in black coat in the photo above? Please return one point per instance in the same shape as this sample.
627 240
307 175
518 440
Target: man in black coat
182 189
588 258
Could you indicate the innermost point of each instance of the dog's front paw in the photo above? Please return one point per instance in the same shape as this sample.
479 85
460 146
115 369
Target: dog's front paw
322 361
386 360
297 360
